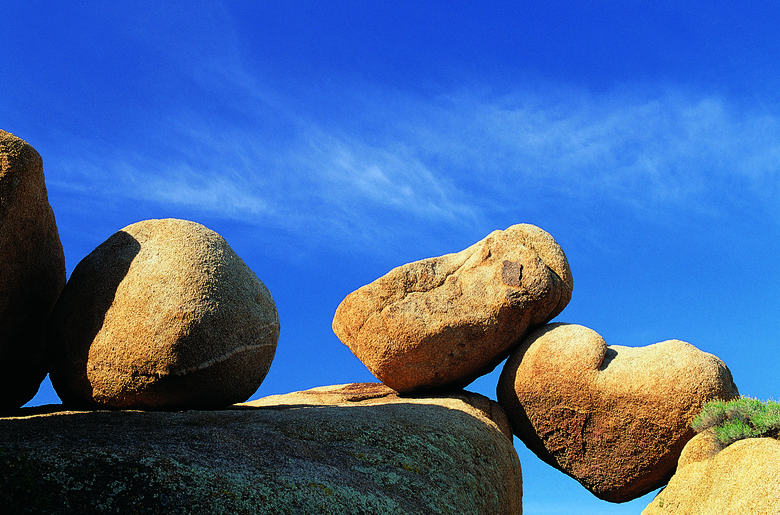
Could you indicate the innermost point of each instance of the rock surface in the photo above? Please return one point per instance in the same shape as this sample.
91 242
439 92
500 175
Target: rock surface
32 270
614 418
162 315
742 478
375 453
368 394
449 319
701 447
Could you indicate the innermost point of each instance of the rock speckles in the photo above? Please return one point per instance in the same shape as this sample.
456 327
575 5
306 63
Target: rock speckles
163 315
445 321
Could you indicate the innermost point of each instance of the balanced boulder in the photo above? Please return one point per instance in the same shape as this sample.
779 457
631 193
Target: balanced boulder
614 418
367 452
449 319
742 478
162 315
32 270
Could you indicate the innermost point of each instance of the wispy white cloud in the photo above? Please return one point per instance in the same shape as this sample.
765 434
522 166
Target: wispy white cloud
671 149
445 161
320 182
187 187
340 157
351 173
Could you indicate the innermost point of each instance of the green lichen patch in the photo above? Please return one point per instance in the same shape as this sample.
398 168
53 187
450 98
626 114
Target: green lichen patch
402 458
21 487
65 483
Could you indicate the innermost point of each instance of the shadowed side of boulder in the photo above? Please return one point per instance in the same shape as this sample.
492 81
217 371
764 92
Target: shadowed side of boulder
32 270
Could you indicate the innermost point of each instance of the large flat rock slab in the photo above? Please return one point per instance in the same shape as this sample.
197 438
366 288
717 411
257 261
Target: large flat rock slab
285 456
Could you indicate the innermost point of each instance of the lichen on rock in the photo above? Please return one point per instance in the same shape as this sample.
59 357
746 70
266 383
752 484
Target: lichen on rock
431 455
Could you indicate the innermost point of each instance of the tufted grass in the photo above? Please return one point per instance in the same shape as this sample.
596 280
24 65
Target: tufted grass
739 419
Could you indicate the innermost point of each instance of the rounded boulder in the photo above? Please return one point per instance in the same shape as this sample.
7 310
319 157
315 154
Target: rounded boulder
445 321
614 418
32 271
741 478
162 315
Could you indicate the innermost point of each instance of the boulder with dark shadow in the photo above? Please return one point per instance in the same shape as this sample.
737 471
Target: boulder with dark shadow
162 315
32 270
614 418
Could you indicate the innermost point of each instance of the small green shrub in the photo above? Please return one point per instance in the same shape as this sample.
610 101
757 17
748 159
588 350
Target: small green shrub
739 419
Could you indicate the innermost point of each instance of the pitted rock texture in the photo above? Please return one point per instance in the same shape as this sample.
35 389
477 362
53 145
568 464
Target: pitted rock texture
447 320
32 270
162 315
614 418
742 478
412 456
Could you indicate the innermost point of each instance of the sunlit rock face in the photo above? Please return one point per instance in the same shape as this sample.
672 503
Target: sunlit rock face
614 418
742 478
445 321
162 315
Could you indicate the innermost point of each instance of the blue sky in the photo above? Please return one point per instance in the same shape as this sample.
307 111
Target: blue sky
331 142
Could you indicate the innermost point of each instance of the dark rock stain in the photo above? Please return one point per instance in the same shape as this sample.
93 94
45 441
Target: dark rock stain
512 273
